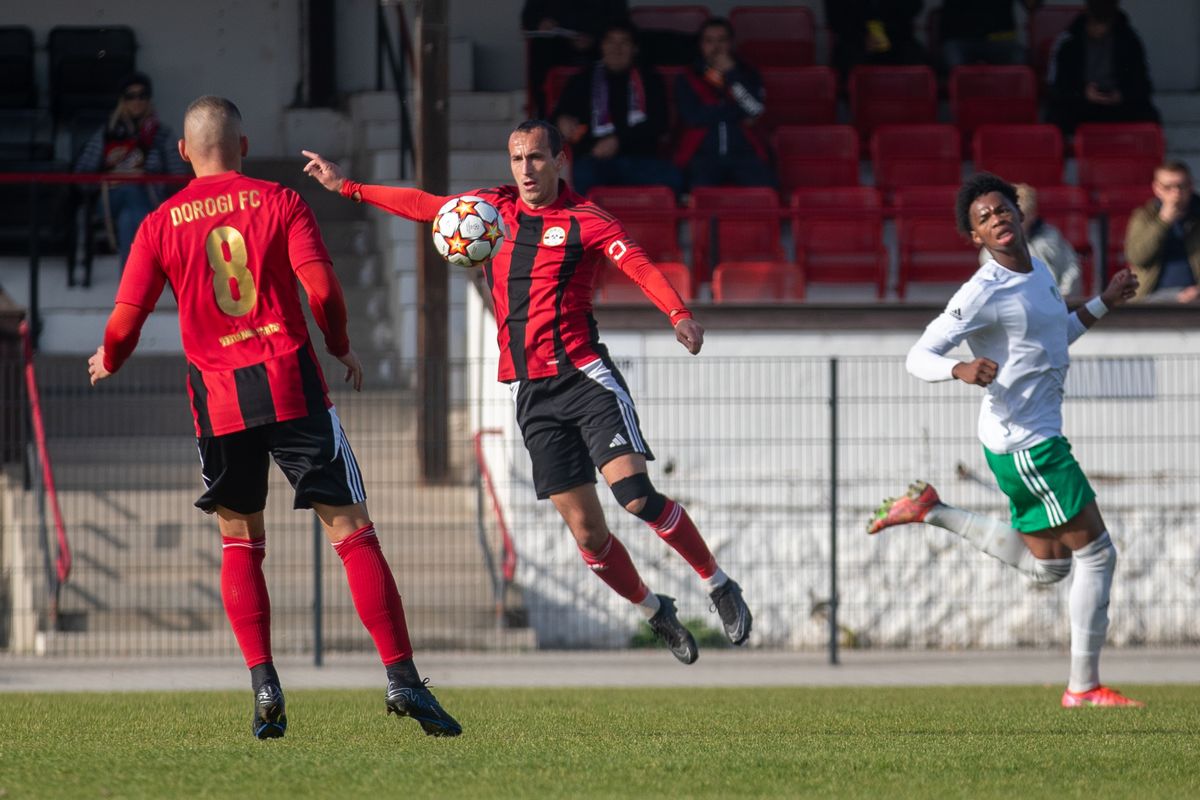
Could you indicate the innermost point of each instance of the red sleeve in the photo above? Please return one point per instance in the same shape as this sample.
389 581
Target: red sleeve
327 304
409 203
143 278
121 334
631 259
304 237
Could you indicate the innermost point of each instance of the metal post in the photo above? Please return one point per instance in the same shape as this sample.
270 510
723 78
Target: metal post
318 599
833 510
35 313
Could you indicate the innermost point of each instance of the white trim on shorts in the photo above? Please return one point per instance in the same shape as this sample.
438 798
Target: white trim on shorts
1036 484
341 444
599 372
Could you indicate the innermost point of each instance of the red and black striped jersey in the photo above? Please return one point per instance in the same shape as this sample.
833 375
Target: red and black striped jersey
229 246
543 278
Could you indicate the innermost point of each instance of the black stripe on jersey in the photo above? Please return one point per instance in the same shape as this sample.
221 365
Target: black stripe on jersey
255 402
199 400
572 256
310 380
520 276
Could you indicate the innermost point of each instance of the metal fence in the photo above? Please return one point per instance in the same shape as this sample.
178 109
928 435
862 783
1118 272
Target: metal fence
779 460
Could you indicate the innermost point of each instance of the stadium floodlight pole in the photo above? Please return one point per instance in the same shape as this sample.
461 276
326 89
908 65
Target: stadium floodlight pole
433 313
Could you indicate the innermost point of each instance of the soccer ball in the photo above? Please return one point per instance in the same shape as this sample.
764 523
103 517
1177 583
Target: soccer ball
467 231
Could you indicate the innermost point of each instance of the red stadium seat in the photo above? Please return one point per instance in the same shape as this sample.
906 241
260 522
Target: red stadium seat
984 94
916 155
931 248
757 281
617 287
684 19
800 96
648 214
1117 154
891 95
556 81
816 155
1045 24
1030 154
775 36
1118 203
1066 208
747 228
839 233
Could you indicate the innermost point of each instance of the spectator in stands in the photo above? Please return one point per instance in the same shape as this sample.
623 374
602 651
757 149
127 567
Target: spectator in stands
874 32
1046 244
563 33
614 115
719 100
981 33
1098 71
132 142
1162 242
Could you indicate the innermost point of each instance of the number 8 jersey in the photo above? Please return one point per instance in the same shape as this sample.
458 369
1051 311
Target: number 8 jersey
229 246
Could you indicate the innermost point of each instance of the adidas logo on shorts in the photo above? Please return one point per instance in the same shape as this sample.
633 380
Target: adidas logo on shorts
617 441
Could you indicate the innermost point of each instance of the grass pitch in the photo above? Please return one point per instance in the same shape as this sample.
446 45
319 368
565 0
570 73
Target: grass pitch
644 743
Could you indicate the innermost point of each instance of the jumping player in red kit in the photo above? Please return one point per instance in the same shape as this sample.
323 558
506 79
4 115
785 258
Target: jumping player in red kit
572 404
232 249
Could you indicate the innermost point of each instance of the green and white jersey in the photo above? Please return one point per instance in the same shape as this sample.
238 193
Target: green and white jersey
1019 321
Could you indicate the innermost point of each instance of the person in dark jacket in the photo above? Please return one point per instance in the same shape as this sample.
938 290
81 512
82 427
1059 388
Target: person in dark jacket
563 33
719 100
132 142
874 32
972 32
614 114
1098 71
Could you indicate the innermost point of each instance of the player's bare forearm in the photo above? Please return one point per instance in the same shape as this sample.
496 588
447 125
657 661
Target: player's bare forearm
1121 289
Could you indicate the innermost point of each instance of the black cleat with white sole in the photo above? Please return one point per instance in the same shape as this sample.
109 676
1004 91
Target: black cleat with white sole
269 720
731 608
420 704
667 627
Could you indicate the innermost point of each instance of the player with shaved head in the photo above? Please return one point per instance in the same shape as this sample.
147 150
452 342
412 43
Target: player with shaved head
232 249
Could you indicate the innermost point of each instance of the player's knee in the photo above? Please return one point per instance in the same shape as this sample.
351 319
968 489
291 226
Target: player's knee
1051 570
1099 555
591 538
639 497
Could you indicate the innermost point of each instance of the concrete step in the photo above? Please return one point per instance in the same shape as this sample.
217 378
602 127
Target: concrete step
296 638
1178 106
474 168
1183 137
384 135
465 107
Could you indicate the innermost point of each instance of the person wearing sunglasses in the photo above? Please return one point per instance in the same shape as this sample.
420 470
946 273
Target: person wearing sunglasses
132 141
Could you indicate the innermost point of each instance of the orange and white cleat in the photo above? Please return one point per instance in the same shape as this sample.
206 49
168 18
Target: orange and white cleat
905 510
1101 696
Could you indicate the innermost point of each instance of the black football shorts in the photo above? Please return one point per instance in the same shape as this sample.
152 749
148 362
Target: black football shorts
574 423
312 451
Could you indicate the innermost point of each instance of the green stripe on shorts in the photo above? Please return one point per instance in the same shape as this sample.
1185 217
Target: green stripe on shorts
1044 484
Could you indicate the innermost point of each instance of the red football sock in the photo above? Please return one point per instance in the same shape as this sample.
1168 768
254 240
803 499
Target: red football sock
244 592
614 566
376 598
676 528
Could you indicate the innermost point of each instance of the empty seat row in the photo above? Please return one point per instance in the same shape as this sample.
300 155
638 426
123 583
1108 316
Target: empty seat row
838 232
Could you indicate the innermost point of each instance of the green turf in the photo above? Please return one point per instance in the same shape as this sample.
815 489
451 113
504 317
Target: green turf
1010 743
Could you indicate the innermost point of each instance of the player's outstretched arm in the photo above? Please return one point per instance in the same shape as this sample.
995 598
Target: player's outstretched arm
411 204
1121 289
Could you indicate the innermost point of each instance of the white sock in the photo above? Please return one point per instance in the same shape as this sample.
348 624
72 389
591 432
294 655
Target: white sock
1094 566
649 605
999 541
717 579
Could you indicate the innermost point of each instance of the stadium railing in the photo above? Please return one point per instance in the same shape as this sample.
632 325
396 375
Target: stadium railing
747 444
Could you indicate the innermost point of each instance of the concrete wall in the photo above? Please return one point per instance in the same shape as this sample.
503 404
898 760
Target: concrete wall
741 436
